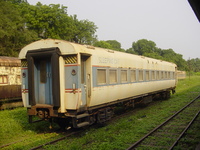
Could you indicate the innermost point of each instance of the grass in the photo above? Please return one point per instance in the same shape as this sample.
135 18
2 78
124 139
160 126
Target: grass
118 135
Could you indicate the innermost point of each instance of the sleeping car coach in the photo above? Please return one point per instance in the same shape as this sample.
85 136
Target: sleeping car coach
77 85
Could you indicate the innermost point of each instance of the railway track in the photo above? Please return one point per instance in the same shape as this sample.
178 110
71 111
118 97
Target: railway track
169 133
79 131
57 140
10 103
70 132
65 135
141 143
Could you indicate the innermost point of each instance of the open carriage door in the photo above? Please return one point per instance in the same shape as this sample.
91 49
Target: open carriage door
43 77
43 81
85 79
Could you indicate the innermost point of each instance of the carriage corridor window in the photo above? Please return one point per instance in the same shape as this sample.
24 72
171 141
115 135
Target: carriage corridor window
3 79
112 76
153 75
165 74
124 76
168 75
140 75
173 75
133 75
158 75
147 76
161 75
101 76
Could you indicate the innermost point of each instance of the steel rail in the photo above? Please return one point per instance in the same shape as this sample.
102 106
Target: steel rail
57 140
10 144
181 135
148 134
6 145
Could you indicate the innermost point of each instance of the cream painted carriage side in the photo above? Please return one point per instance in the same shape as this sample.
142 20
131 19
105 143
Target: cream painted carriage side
68 80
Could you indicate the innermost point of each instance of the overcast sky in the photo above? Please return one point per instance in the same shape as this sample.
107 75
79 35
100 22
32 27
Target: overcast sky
169 23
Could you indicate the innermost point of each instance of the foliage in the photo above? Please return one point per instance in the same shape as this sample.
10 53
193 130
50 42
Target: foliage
115 45
170 55
21 24
144 46
109 44
13 34
103 44
16 1
84 31
148 48
194 65
53 22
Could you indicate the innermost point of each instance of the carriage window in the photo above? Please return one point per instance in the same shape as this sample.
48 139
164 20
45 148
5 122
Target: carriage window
153 75
113 76
133 75
161 75
157 75
173 75
168 76
124 76
147 75
3 79
164 75
101 76
43 71
140 75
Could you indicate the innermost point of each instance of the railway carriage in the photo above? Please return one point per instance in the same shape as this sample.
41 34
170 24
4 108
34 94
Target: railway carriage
10 82
181 75
77 85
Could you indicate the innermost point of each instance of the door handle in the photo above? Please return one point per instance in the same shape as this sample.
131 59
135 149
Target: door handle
48 74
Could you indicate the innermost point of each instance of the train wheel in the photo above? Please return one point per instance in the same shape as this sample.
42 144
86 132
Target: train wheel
165 95
104 114
62 122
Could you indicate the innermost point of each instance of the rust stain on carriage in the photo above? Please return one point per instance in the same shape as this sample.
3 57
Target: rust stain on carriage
10 91
34 109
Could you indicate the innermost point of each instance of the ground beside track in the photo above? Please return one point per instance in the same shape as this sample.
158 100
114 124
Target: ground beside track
118 134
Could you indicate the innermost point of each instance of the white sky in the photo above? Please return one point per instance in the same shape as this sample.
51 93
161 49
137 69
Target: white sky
169 23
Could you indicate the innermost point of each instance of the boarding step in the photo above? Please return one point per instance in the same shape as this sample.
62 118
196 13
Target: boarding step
82 124
82 115
81 120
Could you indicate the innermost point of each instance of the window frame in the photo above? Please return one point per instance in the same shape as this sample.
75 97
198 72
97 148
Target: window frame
122 75
98 76
110 76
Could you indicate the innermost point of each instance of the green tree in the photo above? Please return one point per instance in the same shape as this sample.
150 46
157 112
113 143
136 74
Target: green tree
53 22
131 51
47 21
115 45
194 65
13 32
144 46
16 1
22 23
103 44
148 48
84 31
153 55
171 56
